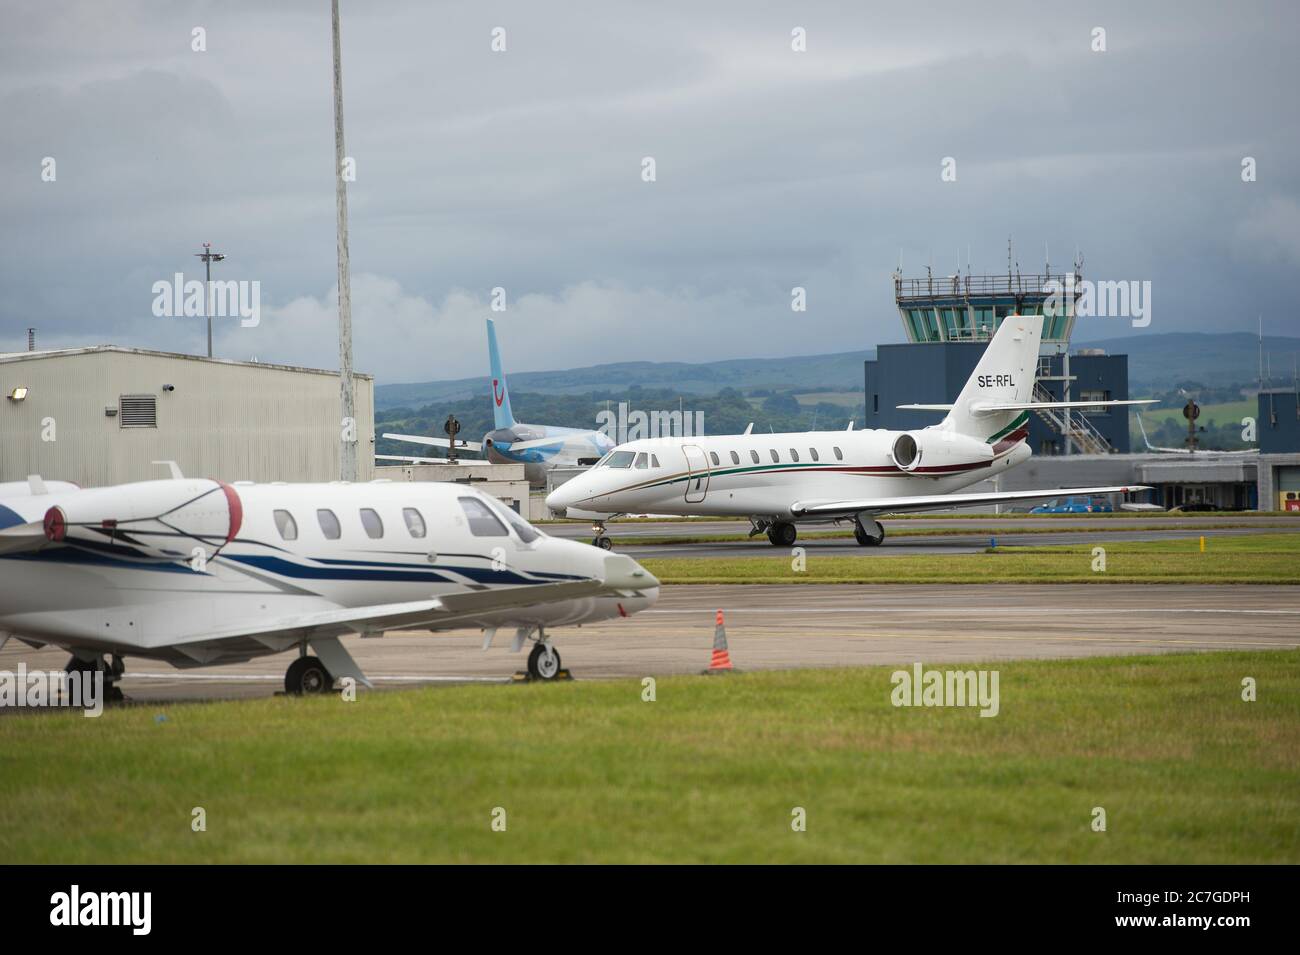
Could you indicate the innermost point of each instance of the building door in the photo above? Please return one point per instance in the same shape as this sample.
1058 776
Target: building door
697 464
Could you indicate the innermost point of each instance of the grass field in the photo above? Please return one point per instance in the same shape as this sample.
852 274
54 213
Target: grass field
709 772
1253 559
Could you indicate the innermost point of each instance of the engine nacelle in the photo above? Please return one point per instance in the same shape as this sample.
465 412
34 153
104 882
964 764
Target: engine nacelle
158 520
935 452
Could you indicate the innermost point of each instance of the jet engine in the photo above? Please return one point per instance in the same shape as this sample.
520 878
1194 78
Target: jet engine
157 520
936 452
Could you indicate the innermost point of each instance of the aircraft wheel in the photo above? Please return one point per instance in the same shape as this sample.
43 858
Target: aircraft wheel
782 534
604 543
866 539
544 662
307 675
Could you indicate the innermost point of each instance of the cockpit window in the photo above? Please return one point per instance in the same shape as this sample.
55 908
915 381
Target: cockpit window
482 522
654 460
527 532
286 525
642 460
620 459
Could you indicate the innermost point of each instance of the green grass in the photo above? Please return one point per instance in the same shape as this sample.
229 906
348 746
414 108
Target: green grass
1246 559
1185 770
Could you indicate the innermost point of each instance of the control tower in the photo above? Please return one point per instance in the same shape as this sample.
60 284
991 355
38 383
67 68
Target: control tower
947 321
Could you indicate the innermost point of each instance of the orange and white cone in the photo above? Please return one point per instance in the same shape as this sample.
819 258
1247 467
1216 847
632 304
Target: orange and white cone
721 661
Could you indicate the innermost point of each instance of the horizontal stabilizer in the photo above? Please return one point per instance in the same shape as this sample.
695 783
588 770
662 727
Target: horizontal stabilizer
993 407
435 442
934 502
924 407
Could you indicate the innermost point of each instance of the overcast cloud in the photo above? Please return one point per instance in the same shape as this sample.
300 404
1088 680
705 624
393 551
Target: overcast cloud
522 169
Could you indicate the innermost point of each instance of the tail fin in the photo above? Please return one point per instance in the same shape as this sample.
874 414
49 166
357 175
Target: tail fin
501 415
1005 375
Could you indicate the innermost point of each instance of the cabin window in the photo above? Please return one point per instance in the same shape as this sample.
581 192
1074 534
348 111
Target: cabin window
642 460
754 454
286 525
839 455
813 454
329 524
372 522
654 460
482 522
713 456
617 459
776 458
414 522
794 455
735 458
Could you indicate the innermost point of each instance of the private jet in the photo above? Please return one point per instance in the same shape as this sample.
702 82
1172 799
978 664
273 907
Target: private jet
200 572
781 480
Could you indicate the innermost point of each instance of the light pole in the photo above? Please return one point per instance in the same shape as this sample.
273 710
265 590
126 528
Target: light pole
347 449
208 257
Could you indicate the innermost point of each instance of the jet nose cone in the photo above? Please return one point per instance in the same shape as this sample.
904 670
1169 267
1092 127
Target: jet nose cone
623 572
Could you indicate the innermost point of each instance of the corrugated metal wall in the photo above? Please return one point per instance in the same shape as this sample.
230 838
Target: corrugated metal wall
223 420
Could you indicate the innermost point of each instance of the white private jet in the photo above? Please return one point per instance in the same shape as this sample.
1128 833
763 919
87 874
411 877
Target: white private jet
778 480
198 572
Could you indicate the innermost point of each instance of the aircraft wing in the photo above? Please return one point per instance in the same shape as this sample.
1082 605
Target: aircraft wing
992 407
409 459
435 442
23 537
934 502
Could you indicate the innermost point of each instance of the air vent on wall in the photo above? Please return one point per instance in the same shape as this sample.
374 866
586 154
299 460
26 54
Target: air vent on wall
138 411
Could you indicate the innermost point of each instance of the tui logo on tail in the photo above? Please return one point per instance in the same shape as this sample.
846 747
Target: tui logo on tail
498 395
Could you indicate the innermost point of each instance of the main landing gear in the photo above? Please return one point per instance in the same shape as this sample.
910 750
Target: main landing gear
782 534
307 675
869 534
112 673
600 540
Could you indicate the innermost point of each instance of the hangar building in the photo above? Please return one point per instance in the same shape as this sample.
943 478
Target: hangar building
101 415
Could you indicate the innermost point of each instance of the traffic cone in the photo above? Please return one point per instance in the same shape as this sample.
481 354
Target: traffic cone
721 661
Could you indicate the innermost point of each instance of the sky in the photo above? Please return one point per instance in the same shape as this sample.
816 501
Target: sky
524 169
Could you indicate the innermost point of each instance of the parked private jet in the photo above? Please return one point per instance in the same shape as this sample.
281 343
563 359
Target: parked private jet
1157 449
779 480
197 572
538 447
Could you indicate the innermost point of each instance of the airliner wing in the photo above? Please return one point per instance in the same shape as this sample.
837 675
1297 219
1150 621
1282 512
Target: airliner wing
934 502
435 442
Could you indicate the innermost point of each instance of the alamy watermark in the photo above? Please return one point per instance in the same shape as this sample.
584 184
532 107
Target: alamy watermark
627 425
179 298
46 688
922 687
1122 299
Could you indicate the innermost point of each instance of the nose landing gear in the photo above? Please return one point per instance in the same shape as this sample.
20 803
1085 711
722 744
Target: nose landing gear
600 540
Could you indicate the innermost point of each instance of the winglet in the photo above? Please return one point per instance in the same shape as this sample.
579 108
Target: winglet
37 484
174 468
